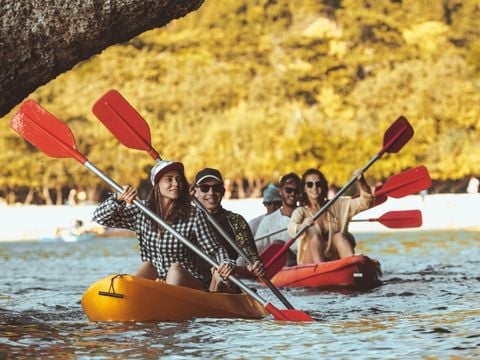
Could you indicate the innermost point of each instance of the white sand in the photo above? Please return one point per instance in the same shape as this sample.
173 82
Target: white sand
440 211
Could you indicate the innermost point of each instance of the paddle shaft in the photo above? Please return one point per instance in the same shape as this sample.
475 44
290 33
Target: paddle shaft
174 232
367 220
270 234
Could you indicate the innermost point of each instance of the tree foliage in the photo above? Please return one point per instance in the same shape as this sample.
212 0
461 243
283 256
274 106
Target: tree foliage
259 88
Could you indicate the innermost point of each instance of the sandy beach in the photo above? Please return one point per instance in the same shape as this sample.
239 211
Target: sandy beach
439 211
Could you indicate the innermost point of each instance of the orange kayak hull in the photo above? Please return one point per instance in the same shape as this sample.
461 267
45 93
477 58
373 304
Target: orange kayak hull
124 298
357 271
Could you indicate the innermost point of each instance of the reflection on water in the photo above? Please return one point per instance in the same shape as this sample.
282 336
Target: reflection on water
426 307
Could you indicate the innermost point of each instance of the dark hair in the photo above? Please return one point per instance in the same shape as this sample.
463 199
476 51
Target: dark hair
289 177
323 187
181 208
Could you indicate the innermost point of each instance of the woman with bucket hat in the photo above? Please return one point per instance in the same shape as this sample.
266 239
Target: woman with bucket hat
163 255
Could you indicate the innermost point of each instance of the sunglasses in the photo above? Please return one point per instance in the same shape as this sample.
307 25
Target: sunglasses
271 203
290 190
206 188
310 184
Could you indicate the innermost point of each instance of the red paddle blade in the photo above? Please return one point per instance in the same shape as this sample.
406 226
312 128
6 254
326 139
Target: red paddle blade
267 254
45 131
123 121
401 219
409 182
288 315
378 199
397 135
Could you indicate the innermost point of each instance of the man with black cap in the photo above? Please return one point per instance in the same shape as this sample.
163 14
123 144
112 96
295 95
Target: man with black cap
209 191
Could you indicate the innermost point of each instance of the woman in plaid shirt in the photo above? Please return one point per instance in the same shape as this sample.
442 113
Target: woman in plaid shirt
163 255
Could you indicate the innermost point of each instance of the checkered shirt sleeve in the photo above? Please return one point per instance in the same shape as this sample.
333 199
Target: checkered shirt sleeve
159 246
116 214
207 239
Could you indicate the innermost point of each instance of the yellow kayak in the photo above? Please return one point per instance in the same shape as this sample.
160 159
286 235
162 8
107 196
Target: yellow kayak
130 298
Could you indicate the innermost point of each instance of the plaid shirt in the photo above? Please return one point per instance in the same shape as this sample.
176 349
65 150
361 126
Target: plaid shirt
162 248
237 227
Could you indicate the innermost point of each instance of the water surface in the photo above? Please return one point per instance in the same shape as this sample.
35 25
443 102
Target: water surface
427 306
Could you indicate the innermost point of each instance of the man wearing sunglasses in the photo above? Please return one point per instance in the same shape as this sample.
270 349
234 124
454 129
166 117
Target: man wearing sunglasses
289 193
209 190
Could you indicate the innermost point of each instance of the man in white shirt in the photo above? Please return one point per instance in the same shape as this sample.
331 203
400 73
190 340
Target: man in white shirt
272 201
279 219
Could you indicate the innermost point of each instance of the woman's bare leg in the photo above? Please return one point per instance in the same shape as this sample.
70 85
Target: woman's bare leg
147 271
214 282
315 249
342 245
177 275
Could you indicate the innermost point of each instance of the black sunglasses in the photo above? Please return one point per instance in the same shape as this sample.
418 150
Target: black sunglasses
206 188
310 184
290 190
269 203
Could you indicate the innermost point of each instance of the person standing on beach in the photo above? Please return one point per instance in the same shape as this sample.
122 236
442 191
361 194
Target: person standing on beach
164 256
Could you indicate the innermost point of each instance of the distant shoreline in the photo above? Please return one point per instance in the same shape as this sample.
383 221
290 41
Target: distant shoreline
440 212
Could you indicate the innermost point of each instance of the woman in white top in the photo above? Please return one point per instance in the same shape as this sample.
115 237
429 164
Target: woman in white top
327 239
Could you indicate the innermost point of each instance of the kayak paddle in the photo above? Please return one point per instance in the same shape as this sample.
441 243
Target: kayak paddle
395 137
397 219
270 234
55 139
132 130
408 182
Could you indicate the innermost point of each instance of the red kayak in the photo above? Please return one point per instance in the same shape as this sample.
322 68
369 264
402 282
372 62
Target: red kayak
357 272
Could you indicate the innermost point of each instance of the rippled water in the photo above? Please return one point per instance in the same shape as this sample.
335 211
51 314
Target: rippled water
428 306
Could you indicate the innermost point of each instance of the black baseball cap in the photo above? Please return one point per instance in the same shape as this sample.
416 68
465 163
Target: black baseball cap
208 173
